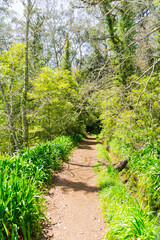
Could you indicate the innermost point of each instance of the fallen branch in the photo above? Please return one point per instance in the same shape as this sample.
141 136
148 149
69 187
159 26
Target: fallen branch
118 167
121 165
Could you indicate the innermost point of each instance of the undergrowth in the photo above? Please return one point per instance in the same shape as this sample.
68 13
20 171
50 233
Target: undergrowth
22 180
128 217
143 168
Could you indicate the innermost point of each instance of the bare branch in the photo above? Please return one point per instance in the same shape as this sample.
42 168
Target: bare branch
143 91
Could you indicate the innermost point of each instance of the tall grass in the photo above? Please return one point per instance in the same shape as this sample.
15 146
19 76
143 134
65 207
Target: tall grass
20 205
127 217
144 168
21 183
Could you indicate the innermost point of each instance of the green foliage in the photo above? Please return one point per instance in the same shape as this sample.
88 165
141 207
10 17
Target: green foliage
12 63
121 31
102 153
52 100
22 178
36 44
133 132
145 167
20 205
126 216
56 95
66 64
135 114
130 130
12 79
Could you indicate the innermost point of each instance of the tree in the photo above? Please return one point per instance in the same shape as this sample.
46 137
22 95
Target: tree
55 96
130 30
11 85
5 26
66 64
26 80
36 44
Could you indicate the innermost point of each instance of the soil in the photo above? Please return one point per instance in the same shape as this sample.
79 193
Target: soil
73 204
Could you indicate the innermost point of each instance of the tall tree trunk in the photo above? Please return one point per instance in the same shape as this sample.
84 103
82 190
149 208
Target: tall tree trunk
24 102
12 131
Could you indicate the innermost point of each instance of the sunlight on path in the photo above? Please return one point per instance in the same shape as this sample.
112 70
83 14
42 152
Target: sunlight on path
73 203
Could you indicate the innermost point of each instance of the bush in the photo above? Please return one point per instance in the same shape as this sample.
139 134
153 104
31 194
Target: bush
127 218
22 178
20 205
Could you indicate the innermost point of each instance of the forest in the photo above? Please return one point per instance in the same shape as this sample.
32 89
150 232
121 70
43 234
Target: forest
68 68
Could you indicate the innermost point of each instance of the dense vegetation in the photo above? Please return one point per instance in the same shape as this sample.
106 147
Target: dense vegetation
94 65
23 179
129 199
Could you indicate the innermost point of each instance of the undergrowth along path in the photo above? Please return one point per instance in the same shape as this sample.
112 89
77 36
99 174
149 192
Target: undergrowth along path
73 204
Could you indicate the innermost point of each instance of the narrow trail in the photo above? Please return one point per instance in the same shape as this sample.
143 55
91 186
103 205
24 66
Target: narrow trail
73 204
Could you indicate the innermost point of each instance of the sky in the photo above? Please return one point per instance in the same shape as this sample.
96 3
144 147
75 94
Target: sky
17 6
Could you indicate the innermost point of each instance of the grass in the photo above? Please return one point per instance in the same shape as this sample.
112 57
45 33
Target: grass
128 218
144 169
20 206
22 180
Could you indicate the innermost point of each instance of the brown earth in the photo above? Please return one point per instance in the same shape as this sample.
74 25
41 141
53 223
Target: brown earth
73 204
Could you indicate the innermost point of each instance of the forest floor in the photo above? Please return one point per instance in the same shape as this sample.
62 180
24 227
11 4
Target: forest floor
72 203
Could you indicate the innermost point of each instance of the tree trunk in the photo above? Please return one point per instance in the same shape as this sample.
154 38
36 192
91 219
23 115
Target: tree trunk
24 101
12 131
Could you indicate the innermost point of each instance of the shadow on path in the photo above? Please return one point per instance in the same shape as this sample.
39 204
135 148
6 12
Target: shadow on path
76 186
76 178
80 165
87 144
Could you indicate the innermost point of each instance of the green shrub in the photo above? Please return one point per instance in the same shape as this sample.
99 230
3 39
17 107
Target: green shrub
22 178
20 205
126 216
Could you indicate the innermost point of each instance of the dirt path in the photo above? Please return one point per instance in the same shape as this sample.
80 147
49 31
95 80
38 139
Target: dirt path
73 202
